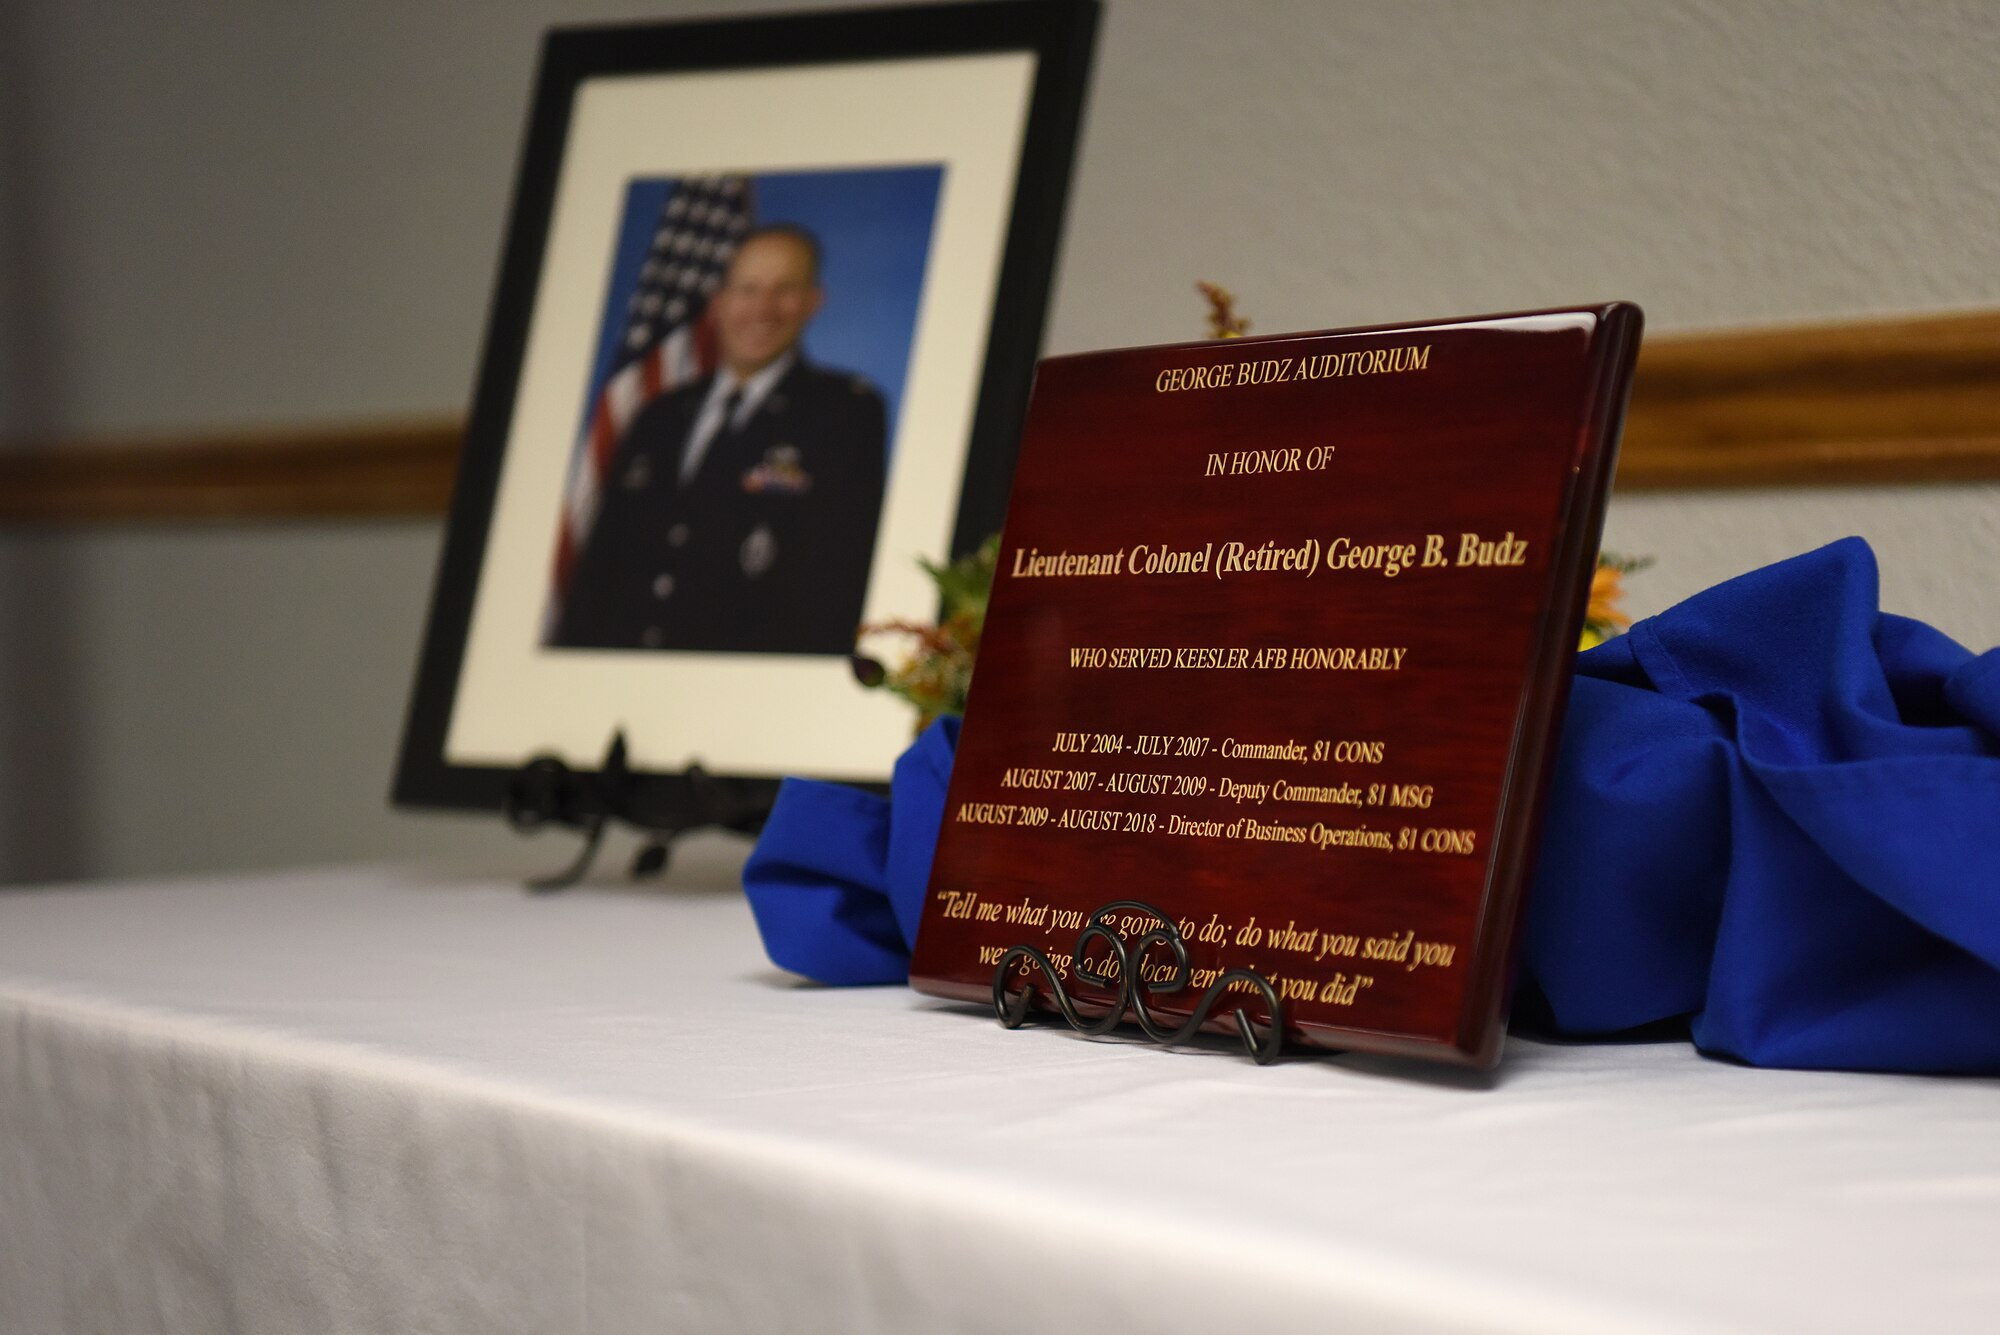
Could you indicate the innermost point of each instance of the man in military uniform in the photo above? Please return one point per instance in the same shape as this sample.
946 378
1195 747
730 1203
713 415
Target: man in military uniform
739 512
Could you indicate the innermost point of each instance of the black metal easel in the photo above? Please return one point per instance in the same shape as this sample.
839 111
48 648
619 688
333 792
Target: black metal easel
545 791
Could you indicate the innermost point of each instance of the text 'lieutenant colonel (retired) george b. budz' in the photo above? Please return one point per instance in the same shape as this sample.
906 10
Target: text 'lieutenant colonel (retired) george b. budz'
739 512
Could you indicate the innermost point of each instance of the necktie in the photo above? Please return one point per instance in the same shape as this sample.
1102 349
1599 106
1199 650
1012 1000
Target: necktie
699 446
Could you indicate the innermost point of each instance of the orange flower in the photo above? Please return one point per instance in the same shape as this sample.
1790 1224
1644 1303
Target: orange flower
1606 591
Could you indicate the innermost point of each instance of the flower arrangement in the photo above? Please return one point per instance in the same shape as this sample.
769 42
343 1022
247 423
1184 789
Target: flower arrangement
937 673
1604 619
1223 321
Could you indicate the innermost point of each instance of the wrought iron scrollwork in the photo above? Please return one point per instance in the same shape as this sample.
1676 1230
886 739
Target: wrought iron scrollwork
1123 972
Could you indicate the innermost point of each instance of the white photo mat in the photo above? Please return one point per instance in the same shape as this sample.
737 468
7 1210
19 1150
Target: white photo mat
741 713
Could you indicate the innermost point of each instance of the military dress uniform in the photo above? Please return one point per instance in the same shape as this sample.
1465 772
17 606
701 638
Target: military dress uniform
764 548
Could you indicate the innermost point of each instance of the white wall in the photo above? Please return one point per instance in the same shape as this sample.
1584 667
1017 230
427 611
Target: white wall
235 212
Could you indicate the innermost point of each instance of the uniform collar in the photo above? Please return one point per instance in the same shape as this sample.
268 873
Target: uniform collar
757 388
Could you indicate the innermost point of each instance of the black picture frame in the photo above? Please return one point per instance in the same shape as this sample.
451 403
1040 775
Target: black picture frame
1058 35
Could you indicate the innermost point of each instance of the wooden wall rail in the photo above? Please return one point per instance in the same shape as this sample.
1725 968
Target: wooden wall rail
1882 401
318 473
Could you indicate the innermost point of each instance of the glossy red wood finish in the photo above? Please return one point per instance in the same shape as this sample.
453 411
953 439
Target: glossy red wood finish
1509 428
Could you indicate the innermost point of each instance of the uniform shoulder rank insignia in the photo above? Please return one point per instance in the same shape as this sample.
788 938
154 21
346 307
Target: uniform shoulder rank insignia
779 471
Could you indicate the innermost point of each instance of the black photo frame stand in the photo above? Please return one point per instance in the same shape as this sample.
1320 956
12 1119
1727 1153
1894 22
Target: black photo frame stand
1131 960
545 791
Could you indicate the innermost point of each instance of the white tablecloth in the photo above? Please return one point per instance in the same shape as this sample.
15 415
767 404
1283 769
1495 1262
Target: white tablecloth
378 1100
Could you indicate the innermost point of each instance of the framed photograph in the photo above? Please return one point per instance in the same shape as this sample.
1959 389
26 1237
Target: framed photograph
770 303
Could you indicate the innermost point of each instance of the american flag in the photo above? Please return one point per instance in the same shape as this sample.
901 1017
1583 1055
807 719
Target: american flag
667 341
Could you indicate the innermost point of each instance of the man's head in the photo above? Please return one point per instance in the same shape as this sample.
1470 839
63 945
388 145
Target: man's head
767 298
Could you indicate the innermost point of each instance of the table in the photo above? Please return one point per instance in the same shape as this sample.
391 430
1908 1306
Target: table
378 1099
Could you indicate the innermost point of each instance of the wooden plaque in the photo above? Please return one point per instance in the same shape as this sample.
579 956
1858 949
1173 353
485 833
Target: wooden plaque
1279 643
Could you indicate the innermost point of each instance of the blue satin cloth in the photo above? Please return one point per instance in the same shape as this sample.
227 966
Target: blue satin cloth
1777 813
837 879
1775 817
